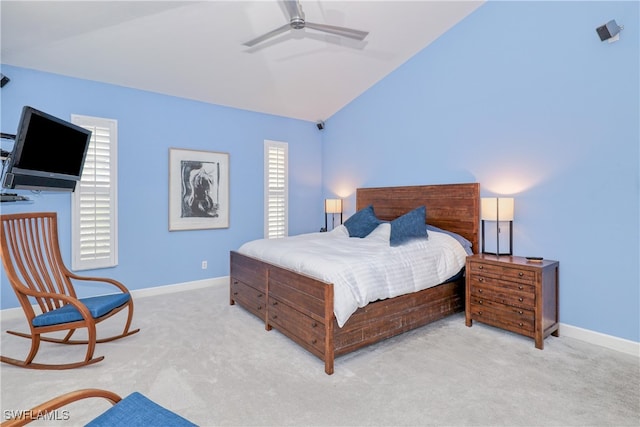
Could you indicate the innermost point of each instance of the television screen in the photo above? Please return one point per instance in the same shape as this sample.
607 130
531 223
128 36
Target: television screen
48 153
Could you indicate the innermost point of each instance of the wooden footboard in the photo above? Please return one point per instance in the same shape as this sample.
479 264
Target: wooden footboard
301 307
297 305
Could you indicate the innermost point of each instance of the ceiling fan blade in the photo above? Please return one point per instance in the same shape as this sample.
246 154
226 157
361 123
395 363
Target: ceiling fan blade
268 35
340 31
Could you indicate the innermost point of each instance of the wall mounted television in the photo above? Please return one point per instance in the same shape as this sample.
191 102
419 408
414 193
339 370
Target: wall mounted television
48 153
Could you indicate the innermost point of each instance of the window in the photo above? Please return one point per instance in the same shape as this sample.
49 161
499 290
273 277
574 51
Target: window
94 219
275 189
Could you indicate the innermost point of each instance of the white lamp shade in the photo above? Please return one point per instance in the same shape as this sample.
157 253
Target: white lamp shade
333 206
497 208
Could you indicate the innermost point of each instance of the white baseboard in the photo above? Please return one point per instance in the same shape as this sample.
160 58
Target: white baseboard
603 340
11 313
15 313
179 287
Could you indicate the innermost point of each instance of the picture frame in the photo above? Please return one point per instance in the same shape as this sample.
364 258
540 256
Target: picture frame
198 189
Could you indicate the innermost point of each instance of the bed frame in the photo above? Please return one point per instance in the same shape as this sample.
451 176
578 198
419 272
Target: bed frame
301 307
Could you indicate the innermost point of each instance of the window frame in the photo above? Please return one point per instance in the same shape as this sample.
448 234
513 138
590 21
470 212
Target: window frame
268 192
77 261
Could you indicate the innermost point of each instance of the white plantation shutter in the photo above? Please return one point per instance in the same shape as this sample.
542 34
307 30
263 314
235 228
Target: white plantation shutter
94 209
276 189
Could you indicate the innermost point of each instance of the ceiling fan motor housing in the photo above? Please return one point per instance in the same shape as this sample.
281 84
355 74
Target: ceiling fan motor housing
297 23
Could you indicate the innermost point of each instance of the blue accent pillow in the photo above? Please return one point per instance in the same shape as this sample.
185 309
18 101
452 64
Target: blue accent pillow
361 223
408 227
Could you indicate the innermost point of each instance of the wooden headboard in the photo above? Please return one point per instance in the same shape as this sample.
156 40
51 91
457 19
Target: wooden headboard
452 207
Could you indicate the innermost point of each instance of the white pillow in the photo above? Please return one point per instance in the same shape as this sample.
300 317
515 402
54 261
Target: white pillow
381 233
340 230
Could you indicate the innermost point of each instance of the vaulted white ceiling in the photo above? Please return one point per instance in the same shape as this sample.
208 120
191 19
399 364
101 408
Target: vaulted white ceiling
194 50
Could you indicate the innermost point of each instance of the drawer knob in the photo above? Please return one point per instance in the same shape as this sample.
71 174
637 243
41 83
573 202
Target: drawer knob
275 303
520 299
314 324
235 282
480 279
480 301
259 295
259 307
520 287
520 324
481 267
275 316
521 274
480 290
479 313
520 312
313 341
235 293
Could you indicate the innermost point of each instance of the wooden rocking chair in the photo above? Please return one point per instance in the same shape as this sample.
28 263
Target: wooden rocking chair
33 264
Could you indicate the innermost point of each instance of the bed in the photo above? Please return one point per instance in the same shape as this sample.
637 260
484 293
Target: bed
302 306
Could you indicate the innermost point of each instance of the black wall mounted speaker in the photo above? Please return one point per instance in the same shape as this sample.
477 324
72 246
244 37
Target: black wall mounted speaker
608 30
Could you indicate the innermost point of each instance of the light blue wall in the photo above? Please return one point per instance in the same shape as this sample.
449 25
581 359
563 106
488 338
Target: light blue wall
520 96
523 98
148 125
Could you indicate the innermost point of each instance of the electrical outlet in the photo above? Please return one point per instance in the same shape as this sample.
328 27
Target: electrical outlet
204 265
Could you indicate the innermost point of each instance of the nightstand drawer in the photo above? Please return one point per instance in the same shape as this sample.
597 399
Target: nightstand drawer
519 275
504 296
480 280
502 316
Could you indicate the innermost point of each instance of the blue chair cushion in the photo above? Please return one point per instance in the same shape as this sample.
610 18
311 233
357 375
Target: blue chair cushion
136 410
98 306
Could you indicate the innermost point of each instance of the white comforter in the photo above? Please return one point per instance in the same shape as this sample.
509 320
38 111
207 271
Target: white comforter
364 270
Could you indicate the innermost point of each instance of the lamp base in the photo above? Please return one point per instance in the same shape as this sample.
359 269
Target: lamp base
498 254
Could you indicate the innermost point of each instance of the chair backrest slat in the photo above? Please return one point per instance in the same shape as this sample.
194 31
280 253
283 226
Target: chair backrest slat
34 235
31 258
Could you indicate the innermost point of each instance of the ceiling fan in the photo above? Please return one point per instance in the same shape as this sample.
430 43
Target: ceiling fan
297 22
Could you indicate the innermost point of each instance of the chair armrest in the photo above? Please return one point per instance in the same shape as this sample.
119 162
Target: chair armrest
113 282
25 417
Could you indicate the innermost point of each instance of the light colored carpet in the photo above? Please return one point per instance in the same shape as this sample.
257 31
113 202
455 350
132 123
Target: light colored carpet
215 365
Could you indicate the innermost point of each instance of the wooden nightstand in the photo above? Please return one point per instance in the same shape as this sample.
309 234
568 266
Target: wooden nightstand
513 293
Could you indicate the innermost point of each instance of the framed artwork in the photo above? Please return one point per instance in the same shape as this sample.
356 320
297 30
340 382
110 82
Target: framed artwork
198 189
